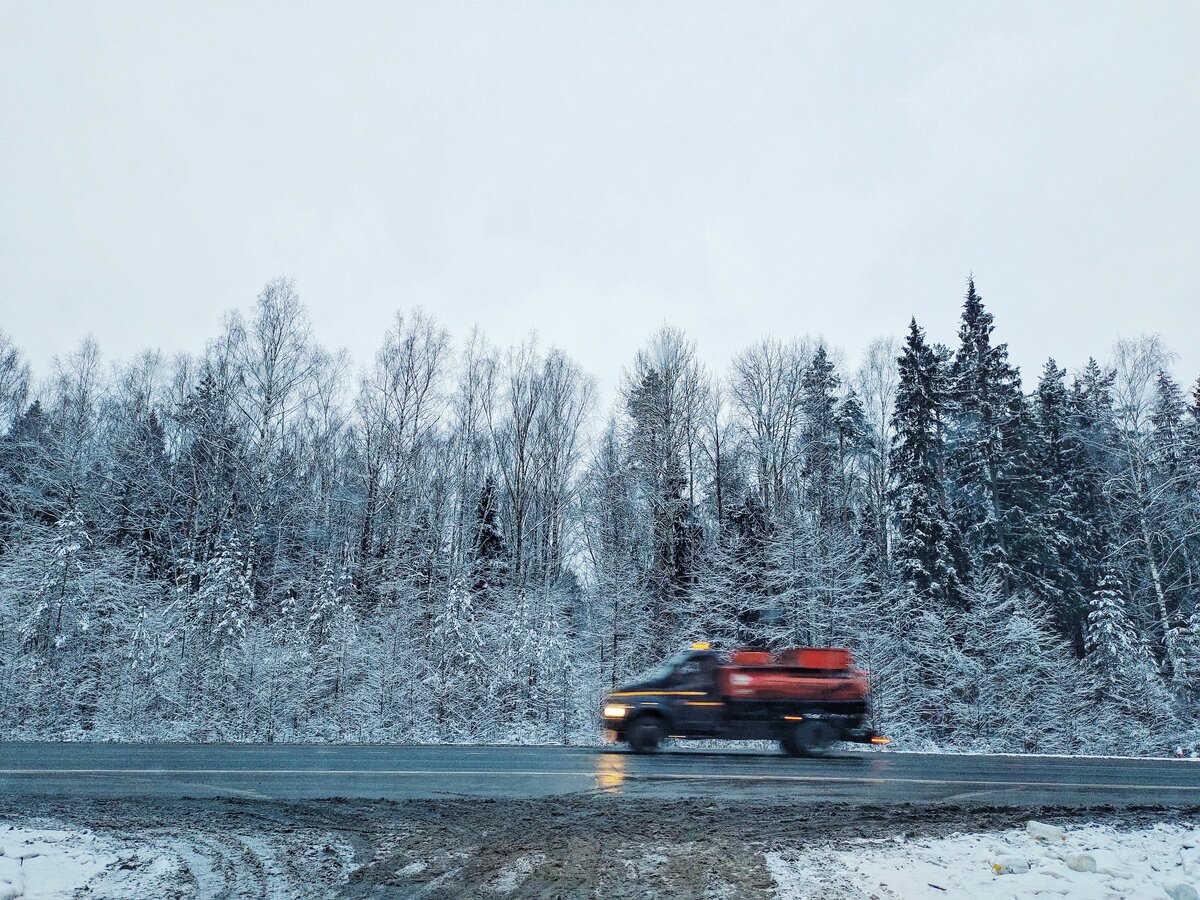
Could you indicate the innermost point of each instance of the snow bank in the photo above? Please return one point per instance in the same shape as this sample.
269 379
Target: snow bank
43 863
1087 863
44 859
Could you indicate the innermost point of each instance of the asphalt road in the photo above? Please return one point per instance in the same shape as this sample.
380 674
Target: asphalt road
296 772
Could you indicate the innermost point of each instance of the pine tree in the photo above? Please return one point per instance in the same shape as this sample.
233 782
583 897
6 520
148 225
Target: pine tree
1124 670
1093 432
659 466
1110 636
1192 431
27 495
489 565
326 603
1168 421
854 444
983 453
1031 676
1054 537
61 598
819 437
926 553
1174 476
226 596
458 662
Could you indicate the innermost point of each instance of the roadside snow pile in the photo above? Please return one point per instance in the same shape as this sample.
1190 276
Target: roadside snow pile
39 859
1088 863
47 863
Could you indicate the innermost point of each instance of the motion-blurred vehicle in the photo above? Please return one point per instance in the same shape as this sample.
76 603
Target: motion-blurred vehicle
806 698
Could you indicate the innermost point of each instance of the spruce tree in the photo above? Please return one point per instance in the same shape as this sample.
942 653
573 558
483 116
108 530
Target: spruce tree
60 602
983 452
1122 668
1093 431
326 603
819 437
489 564
226 596
1168 419
1110 635
926 551
1174 514
854 443
1055 532
1192 432
458 662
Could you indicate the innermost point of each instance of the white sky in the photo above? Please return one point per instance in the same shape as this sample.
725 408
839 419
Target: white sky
594 170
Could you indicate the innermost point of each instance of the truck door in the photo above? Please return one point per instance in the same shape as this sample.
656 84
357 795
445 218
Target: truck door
699 711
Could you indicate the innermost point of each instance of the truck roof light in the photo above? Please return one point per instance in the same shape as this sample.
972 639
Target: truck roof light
700 645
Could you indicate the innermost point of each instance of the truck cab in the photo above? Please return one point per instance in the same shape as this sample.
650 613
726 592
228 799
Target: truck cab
681 693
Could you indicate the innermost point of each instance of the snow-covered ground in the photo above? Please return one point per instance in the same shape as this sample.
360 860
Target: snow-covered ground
48 859
1089 863
37 862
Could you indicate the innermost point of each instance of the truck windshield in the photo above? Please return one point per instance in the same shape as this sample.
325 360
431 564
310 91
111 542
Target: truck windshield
663 669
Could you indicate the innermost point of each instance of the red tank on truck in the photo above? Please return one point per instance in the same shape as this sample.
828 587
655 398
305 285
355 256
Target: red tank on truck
806 698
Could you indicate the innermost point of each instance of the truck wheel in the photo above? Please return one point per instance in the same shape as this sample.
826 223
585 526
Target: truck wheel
813 737
645 734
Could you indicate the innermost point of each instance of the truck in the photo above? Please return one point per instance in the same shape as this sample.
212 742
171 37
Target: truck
806 698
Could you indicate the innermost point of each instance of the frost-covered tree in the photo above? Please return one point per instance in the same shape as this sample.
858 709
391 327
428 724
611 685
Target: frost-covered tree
1121 666
925 549
663 398
225 600
14 381
458 663
1055 535
252 544
983 455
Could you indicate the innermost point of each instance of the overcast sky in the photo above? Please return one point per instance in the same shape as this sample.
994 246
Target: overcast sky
591 171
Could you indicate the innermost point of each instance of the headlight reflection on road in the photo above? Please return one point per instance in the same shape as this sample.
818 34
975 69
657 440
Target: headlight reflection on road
610 772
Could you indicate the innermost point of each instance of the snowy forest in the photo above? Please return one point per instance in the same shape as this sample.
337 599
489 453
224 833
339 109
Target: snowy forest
459 542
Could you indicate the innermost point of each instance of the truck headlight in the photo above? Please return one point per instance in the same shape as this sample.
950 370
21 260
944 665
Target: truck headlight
614 711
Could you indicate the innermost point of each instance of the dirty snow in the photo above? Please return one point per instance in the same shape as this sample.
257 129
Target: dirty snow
513 875
1088 862
590 846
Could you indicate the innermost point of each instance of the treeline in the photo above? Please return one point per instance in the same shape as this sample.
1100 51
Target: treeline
458 543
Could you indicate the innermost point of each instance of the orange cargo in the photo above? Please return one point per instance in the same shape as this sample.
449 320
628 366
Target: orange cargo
827 675
751 658
816 658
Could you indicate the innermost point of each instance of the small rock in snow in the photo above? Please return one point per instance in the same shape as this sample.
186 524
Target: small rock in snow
1181 891
1081 862
1043 832
1010 865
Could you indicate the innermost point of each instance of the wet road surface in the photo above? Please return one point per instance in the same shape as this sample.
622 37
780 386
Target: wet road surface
303 772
